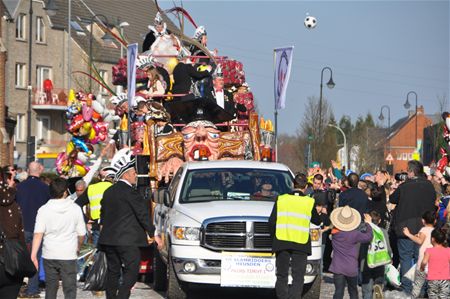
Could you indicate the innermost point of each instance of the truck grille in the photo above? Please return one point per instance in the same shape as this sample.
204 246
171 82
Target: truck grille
243 235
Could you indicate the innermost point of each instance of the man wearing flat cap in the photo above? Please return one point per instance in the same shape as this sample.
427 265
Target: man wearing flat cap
125 226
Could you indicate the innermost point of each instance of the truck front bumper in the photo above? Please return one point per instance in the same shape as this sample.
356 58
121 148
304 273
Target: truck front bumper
199 265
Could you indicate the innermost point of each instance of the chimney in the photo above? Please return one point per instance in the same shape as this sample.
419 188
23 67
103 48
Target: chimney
420 110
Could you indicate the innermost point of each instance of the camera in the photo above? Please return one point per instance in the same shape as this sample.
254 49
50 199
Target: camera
401 177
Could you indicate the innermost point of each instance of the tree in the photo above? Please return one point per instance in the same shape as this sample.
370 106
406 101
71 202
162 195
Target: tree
290 152
323 147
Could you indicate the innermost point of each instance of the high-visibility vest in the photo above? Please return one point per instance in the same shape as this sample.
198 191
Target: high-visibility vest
293 218
95 195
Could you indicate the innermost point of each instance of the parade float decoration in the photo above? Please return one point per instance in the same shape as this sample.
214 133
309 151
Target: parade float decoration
87 123
174 128
443 165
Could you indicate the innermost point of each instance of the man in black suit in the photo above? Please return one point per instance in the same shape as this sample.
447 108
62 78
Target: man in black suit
183 74
220 96
125 226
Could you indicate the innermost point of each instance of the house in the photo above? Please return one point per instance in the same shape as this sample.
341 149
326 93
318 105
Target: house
401 143
50 61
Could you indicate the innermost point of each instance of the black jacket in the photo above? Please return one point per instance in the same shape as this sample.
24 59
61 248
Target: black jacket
182 75
227 96
279 245
125 217
356 199
413 198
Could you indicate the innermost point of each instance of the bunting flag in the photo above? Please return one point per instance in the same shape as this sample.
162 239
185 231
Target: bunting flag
283 63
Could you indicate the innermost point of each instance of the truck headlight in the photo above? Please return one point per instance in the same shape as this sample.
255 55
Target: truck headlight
186 233
315 234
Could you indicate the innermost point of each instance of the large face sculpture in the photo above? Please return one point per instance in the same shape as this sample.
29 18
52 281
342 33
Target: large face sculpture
201 140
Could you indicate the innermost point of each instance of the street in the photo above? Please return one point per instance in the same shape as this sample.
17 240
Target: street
143 290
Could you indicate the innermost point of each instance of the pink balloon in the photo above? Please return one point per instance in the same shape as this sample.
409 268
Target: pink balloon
87 112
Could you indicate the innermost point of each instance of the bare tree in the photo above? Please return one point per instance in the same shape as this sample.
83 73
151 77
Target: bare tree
442 102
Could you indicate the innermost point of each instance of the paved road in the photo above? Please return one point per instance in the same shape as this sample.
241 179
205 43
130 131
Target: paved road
142 291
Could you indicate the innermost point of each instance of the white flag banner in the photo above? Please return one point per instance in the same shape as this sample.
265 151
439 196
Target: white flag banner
132 52
283 64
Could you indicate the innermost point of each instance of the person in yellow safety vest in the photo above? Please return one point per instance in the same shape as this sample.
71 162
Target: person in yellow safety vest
93 196
289 228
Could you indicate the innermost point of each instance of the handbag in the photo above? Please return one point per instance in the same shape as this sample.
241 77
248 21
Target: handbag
16 257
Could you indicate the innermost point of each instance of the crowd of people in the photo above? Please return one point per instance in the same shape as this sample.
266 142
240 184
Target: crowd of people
54 223
372 221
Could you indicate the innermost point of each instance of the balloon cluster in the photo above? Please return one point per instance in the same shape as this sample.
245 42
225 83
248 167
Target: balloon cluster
87 122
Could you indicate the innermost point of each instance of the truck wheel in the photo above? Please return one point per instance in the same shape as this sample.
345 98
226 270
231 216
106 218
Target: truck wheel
176 289
312 291
159 272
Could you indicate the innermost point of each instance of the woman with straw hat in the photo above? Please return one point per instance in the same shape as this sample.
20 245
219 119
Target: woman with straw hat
347 235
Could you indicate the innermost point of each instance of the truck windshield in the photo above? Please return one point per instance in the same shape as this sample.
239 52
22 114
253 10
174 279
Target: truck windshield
234 184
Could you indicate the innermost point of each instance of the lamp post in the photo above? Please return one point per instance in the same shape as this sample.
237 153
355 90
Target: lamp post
330 85
407 105
381 117
50 7
106 38
121 26
347 162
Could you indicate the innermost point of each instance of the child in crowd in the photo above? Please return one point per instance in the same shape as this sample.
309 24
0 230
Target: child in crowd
438 260
373 278
423 238
325 224
346 238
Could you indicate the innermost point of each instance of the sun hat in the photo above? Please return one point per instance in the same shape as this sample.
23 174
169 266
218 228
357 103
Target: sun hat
345 218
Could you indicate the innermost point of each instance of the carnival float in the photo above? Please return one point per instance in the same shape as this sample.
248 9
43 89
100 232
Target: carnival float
190 104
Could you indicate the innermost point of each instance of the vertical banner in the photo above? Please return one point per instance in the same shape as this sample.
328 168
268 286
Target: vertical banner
132 52
283 63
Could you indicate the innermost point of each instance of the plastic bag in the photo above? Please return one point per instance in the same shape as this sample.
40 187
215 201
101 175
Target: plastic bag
411 274
377 254
96 277
392 275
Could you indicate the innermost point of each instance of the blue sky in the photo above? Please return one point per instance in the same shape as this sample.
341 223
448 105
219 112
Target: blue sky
378 50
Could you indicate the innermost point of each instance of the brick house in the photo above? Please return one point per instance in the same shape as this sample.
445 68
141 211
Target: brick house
50 60
401 139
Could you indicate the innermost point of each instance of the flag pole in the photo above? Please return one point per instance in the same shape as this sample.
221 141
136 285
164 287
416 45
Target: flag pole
275 109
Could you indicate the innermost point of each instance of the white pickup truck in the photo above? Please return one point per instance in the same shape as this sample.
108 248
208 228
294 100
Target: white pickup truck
213 219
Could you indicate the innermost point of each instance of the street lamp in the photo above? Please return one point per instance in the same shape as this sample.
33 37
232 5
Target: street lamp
121 26
407 105
51 8
330 85
381 117
107 38
347 162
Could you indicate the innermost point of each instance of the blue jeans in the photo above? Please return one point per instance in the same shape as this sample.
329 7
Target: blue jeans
408 252
33 282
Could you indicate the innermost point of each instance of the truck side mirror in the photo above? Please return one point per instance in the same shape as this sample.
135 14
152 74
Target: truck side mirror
158 196
166 198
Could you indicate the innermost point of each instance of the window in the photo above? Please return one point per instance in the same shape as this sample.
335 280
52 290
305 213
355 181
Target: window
43 128
20 27
40 30
104 76
43 72
20 75
20 127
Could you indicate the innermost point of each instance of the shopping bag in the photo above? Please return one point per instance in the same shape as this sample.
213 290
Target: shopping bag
377 254
392 275
96 277
411 274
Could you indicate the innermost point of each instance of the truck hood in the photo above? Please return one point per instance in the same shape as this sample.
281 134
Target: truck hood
231 208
